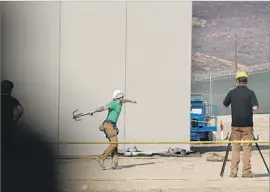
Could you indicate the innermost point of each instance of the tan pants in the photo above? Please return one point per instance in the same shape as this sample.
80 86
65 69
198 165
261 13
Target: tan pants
241 133
112 149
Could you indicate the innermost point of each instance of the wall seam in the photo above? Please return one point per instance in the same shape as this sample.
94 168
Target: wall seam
125 108
59 78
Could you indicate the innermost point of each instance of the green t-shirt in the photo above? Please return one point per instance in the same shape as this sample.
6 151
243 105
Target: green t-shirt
114 111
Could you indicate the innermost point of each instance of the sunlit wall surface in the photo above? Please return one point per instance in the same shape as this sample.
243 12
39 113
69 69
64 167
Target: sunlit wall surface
69 55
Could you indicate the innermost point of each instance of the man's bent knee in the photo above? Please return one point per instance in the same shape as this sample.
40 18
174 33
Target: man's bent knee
114 146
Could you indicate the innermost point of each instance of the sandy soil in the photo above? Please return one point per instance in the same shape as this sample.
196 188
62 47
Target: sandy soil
189 174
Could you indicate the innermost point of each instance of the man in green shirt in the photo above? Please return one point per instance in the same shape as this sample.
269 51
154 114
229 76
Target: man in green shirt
109 126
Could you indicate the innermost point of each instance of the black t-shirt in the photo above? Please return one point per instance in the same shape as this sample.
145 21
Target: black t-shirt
241 99
8 104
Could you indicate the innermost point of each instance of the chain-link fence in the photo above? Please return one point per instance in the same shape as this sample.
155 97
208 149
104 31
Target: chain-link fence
216 90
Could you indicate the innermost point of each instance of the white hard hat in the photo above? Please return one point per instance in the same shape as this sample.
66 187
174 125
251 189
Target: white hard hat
118 94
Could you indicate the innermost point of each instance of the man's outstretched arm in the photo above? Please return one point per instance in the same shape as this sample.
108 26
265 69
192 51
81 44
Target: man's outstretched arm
128 101
99 109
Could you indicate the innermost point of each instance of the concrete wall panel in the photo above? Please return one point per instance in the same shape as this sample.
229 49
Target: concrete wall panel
69 55
92 66
158 72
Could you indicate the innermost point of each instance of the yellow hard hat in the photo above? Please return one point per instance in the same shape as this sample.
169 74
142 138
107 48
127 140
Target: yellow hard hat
241 74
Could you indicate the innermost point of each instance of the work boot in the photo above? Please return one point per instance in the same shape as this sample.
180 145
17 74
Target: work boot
101 163
248 175
114 165
233 174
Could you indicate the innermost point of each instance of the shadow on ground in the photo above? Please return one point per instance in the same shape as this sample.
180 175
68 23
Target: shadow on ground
134 165
262 175
222 148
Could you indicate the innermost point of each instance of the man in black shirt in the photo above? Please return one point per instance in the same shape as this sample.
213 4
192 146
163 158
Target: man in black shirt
243 101
11 109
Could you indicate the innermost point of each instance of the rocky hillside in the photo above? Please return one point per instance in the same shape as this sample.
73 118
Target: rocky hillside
215 25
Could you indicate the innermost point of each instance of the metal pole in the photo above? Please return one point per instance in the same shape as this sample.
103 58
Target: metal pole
210 90
211 95
265 164
235 53
225 160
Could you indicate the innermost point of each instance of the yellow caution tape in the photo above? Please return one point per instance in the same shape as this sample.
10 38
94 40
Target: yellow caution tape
160 142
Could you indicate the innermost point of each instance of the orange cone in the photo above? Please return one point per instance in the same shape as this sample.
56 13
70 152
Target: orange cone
221 130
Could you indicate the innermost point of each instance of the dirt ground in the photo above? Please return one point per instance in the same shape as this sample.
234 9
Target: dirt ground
189 174
168 174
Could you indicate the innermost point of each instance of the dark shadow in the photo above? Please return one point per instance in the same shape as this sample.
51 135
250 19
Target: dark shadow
134 165
28 162
66 162
222 148
262 175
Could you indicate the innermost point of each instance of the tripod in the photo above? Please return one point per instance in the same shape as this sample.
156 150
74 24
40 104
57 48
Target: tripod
227 153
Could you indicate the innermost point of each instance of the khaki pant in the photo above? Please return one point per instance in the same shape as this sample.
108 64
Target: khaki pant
111 133
241 133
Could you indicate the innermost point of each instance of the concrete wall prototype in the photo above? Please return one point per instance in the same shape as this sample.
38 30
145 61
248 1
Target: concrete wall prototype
82 51
92 66
158 71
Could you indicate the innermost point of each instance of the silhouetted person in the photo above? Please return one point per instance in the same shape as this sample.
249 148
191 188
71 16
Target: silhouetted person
11 109
28 162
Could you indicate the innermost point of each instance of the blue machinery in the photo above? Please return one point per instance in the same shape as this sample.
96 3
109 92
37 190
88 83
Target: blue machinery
203 118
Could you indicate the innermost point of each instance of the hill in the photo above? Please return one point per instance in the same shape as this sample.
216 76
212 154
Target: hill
215 25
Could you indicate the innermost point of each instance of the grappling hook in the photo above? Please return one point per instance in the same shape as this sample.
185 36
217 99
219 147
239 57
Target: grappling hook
76 117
